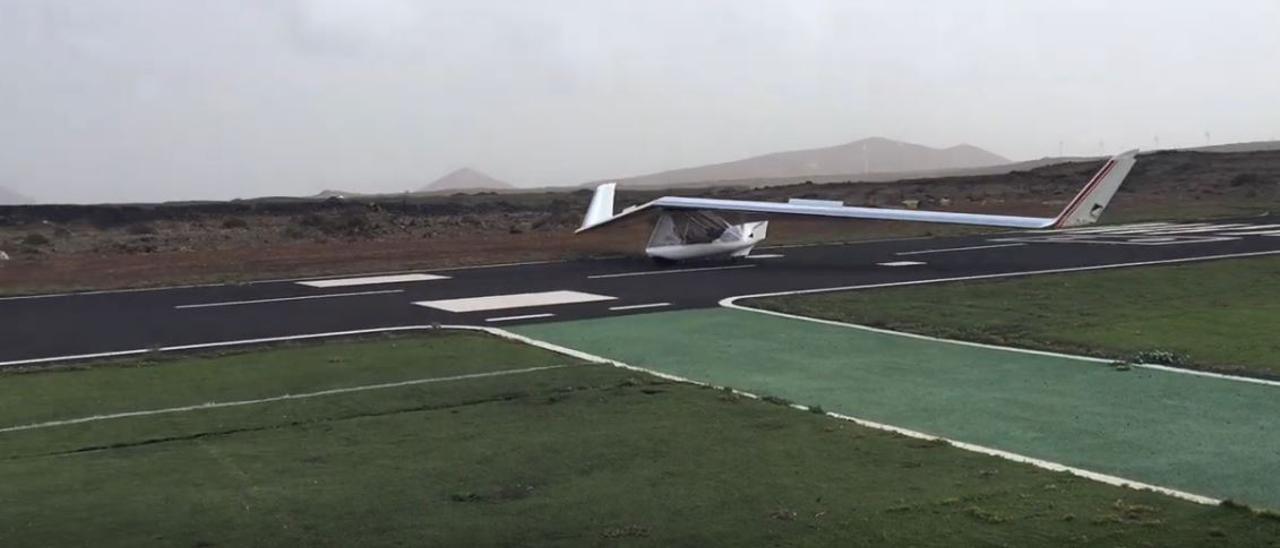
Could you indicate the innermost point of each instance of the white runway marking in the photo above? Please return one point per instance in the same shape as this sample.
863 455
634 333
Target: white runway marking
950 249
1193 229
639 306
1109 228
514 318
1256 230
674 271
287 299
901 263
239 403
372 280
516 300
766 256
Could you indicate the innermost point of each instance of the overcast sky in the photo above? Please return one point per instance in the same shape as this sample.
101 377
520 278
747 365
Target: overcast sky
174 99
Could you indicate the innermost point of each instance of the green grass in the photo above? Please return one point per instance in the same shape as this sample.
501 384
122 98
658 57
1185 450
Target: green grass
584 454
1222 315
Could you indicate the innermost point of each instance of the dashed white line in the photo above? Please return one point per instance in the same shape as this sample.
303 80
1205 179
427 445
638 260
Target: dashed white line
373 280
950 249
514 300
286 299
673 271
639 306
524 317
901 263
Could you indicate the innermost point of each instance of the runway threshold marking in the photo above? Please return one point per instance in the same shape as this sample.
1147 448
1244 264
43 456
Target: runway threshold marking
901 263
372 280
524 317
950 249
287 299
303 396
514 300
672 271
639 306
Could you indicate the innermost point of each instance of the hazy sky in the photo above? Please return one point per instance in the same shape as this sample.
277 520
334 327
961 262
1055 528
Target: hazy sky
105 100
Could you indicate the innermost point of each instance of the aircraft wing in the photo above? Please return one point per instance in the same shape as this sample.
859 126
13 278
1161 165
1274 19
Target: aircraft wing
1083 209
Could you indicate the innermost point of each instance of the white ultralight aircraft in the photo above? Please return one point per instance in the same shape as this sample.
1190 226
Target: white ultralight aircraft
692 228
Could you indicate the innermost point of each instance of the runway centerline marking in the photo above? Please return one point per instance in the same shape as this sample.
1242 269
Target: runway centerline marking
372 280
287 299
515 300
950 249
901 263
673 271
524 317
639 306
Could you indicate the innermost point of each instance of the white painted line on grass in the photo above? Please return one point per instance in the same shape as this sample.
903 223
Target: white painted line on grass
671 271
1039 463
950 249
1104 478
303 396
287 299
731 302
639 306
514 300
524 317
901 263
373 280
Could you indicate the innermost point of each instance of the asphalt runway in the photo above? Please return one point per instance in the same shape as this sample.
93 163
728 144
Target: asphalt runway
46 327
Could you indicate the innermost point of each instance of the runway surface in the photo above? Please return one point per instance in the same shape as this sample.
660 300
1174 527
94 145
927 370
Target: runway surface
57 326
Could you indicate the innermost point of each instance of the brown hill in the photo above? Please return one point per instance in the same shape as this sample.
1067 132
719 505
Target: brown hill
465 179
867 156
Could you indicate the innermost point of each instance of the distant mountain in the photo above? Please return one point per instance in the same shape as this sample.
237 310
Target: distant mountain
1255 146
864 157
465 179
9 197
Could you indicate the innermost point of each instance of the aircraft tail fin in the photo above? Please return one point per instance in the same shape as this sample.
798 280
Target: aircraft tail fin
601 208
1088 205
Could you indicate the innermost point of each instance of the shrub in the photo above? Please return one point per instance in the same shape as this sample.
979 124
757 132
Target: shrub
141 229
312 220
35 240
1160 357
235 223
1245 179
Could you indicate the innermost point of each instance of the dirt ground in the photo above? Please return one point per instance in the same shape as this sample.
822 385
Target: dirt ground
58 248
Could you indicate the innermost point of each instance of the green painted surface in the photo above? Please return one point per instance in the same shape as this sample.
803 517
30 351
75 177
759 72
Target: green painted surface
1208 436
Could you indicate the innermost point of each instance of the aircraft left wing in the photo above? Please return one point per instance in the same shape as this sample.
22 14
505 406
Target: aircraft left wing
1084 209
